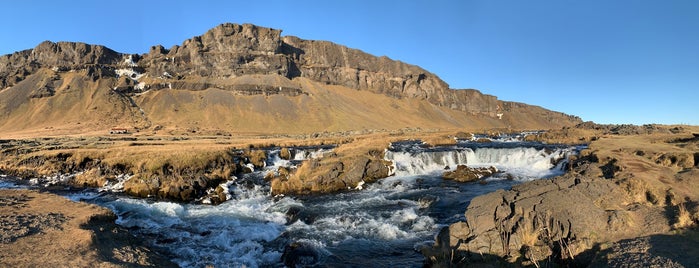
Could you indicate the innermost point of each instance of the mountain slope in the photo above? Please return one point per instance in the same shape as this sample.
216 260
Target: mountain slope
239 79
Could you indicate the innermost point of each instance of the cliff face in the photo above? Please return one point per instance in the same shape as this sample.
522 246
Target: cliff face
248 60
60 56
228 50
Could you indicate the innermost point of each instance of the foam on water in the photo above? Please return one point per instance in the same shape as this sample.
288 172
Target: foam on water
56 179
380 225
300 154
399 224
116 185
523 161
231 234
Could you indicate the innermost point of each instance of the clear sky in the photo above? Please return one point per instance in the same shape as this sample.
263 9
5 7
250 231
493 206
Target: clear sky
608 61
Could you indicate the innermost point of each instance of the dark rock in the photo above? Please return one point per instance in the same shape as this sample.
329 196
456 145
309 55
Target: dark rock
300 254
651 251
546 217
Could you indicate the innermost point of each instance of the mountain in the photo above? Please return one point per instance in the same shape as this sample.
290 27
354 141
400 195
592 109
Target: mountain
239 79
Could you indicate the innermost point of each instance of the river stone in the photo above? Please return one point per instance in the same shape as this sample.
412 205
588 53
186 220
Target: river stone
285 153
463 173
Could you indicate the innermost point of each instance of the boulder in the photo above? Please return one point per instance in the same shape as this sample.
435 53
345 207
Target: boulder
463 173
90 178
257 158
285 153
542 218
329 174
300 254
142 186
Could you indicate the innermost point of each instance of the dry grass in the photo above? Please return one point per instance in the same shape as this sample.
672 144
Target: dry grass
528 235
684 217
440 140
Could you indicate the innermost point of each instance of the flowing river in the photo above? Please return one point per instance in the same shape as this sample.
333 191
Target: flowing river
382 225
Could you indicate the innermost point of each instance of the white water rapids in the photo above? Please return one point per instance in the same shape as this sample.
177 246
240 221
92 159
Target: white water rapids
382 225
525 162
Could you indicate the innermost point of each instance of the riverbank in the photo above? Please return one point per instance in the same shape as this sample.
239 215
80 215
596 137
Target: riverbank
185 168
632 182
45 230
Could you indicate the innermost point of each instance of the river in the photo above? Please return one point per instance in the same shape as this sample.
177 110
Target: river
382 225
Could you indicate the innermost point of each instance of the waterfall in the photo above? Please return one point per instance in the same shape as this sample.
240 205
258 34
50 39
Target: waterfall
528 161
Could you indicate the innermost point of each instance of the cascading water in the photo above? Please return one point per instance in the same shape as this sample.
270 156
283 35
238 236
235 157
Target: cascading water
382 225
523 161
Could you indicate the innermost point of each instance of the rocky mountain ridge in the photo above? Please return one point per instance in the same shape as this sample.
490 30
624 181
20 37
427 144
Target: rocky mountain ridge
245 60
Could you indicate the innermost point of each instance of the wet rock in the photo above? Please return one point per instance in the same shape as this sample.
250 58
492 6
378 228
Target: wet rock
463 173
285 153
300 254
294 214
218 196
332 174
256 157
141 186
90 178
184 188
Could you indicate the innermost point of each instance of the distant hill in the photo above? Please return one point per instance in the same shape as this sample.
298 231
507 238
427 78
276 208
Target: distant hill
239 79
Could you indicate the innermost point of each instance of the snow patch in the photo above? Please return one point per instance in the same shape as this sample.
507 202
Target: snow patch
128 72
140 86
129 61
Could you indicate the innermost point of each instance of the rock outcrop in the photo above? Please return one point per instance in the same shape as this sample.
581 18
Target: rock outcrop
329 175
612 193
463 173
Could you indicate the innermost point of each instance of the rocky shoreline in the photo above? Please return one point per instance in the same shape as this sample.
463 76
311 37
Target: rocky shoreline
631 184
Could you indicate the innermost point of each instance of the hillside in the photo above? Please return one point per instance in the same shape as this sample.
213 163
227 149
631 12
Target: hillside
239 79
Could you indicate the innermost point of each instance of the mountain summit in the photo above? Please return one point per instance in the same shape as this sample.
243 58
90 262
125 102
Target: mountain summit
239 79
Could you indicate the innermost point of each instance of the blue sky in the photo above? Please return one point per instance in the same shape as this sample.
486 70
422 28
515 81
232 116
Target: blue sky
621 61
